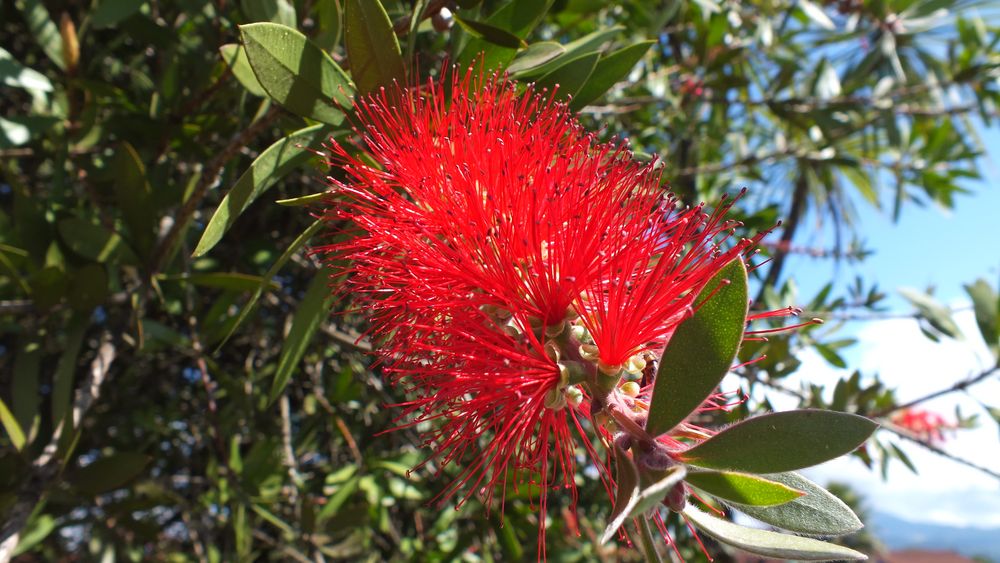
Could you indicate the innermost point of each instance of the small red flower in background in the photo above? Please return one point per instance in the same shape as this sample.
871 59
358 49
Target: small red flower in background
503 255
925 424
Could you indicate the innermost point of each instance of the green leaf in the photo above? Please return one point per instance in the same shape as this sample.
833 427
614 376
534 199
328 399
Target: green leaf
312 311
608 72
769 544
587 44
781 441
43 29
936 314
37 530
18 130
11 426
302 201
627 481
742 488
372 47
91 241
110 472
645 499
16 75
111 12
25 395
518 17
534 56
273 164
987 308
63 377
236 58
816 513
90 288
490 33
296 73
134 196
230 281
701 350
265 280
569 77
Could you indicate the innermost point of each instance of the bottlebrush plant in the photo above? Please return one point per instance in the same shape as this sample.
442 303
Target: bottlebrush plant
529 287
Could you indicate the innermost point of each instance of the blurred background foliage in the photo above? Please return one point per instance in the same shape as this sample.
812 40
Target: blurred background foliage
172 384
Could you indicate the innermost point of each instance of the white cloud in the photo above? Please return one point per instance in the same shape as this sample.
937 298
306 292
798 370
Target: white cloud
944 491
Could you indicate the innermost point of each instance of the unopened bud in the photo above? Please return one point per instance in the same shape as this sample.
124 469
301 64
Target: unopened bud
70 43
630 388
655 460
676 499
574 396
442 20
589 352
579 332
635 364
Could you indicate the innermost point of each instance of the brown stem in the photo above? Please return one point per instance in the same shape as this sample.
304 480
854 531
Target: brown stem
796 213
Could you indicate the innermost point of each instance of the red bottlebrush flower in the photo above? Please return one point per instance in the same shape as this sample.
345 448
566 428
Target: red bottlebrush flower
496 236
925 424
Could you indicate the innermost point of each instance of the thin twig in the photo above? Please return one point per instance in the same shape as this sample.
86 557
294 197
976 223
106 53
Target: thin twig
958 386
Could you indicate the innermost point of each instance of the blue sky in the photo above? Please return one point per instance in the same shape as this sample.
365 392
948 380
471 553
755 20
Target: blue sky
946 249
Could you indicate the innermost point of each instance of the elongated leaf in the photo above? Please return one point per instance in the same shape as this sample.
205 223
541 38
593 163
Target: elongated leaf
817 513
273 164
518 17
569 77
627 481
609 70
987 308
646 499
16 75
277 11
769 544
936 314
742 488
535 55
62 379
43 29
236 59
490 33
110 472
265 281
135 197
92 241
296 73
701 350
372 47
312 311
11 426
587 44
37 530
782 441
112 12
25 394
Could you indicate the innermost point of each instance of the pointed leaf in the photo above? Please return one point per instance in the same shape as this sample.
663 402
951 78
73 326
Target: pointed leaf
11 426
936 314
312 311
490 33
782 441
609 70
518 17
273 164
817 513
372 47
627 481
43 29
535 55
296 73
110 472
569 77
644 500
742 488
769 544
987 308
236 57
586 44
265 281
134 197
701 350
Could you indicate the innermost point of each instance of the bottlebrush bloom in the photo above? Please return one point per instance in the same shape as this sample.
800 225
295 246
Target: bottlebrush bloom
495 236
927 425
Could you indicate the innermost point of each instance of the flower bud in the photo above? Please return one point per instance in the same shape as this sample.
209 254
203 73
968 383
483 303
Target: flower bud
630 388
